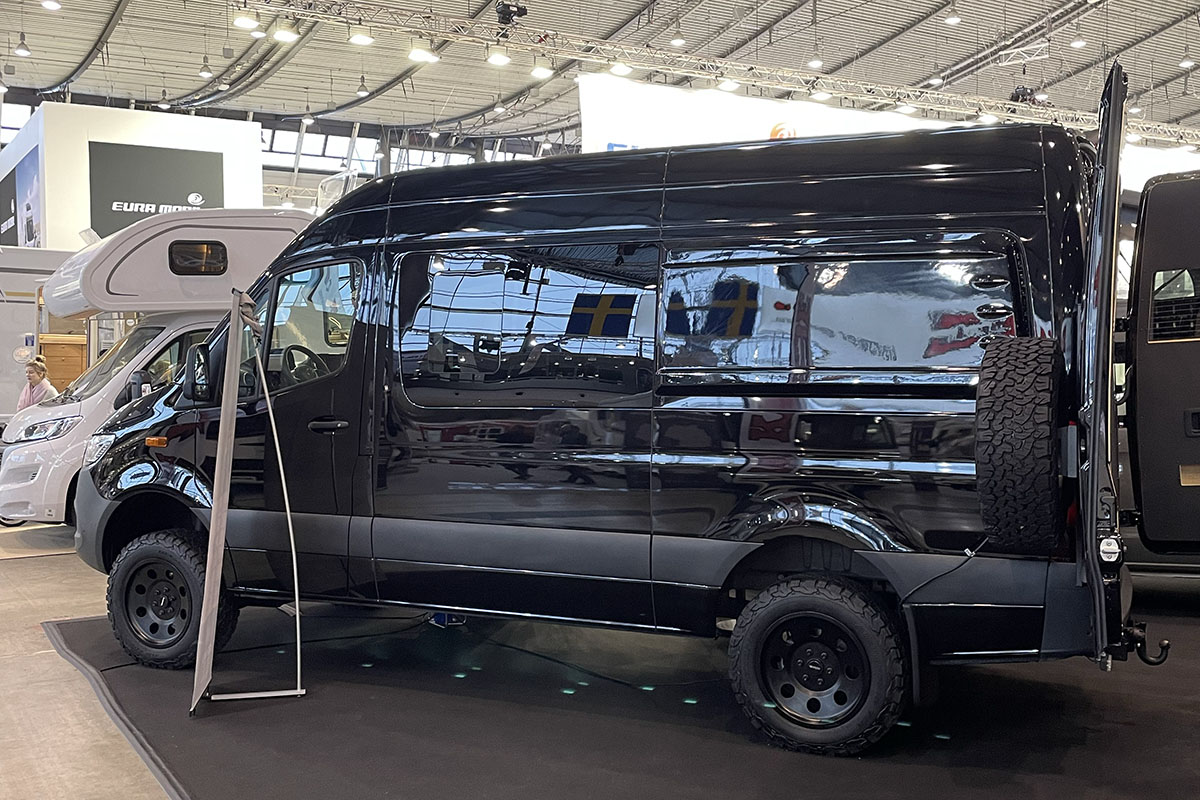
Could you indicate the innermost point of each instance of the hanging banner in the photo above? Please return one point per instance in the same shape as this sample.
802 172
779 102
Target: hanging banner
621 114
131 182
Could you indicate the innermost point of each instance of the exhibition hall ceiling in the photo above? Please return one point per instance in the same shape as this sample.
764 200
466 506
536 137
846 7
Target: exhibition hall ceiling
1053 48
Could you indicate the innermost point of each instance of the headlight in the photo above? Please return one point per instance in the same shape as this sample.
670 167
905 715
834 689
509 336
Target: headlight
50 429
97 446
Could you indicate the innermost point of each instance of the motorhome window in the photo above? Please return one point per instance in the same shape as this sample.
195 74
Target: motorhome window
834 315
103 370
552 326
198 258
311 322
167 365
1174 305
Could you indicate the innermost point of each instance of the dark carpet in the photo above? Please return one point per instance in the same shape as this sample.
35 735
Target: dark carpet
525 710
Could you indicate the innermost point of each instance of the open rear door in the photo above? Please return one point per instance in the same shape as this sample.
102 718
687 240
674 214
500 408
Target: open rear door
1101 551
1164 354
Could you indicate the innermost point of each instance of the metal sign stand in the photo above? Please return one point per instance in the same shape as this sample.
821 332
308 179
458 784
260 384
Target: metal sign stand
220 510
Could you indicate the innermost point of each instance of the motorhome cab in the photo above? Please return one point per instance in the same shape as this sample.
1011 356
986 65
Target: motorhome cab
176 271
829 393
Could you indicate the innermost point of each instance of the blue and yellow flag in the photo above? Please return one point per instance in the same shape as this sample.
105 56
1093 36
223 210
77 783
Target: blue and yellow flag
601 315
733 310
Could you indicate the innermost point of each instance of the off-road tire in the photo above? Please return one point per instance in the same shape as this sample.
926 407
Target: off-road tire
186 551
856 611
1017 416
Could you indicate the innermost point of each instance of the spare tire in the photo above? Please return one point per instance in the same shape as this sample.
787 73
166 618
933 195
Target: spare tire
1017 420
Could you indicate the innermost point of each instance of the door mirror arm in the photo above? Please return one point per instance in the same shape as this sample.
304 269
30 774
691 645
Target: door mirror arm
197 382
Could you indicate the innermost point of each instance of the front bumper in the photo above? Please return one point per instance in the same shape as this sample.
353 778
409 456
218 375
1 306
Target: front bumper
92 513
35 478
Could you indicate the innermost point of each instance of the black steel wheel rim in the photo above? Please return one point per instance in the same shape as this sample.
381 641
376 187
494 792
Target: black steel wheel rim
814 670
158 603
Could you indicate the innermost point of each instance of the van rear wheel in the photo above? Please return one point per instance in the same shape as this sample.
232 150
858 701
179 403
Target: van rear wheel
1016 444
817 666
155 588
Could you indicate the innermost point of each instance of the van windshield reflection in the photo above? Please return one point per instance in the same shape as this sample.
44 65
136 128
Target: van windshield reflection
100 373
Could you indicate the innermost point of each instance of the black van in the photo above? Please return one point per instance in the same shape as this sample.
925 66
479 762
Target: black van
731 387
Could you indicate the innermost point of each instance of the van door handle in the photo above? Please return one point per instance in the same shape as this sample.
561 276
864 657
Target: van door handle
993 311
326 425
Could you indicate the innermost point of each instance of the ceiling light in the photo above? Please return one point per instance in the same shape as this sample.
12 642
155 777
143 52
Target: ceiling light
434 133
987 118
953 18
308 118
1135 109
678 41
621 69
498 57
1187 62
362 90
163 103
205 70
286 32
287 203
258 33
22 49
1133 137
51 5
728 85
1042 96
422 51
1188 148
499 107
936 80
223 86
821 95
905 108
246 22
1078 42
360 35
542 68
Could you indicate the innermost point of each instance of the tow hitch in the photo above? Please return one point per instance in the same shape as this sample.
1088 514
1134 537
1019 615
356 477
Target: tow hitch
1135 637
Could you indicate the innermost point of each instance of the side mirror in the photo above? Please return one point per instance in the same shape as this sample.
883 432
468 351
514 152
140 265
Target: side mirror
139 384
196 383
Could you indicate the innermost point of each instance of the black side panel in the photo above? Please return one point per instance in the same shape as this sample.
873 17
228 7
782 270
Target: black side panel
258 541
978 633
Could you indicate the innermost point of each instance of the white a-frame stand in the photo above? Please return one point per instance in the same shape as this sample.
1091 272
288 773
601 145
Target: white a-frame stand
241 316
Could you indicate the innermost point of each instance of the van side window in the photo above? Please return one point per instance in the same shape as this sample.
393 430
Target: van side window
881 314
198 258
168 364
1174 305
311 323
555 326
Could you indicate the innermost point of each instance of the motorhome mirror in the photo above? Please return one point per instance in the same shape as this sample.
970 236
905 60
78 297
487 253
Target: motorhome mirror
196 383
140 382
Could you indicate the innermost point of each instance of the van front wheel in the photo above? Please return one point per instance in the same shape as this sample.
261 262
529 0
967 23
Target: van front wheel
817 666
154 593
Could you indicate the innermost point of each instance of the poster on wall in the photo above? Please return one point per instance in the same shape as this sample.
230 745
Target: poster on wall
8 209
29 201
131 182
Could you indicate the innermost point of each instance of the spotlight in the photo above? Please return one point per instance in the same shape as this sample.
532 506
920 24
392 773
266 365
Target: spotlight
728 85
987 118
1042 96
1135 109
360 35
498 57
247 22
815 63
621 69
678 41
51 5
362 90
1187 62
22 49
422 52
258 33
163 103
205 71
287 202
905 108
434 133
936 80
507 11
1133 137
821 95
286 32
542 68
499 107
1188 148
308 118
1078 42
223 86
952 18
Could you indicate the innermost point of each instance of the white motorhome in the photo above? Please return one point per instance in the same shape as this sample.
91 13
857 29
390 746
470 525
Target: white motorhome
176 270
22 272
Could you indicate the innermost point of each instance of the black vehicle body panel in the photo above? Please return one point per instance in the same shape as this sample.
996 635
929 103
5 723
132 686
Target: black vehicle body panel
645 511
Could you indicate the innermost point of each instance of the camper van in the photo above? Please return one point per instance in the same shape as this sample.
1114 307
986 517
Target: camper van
848 399
23 271
174 272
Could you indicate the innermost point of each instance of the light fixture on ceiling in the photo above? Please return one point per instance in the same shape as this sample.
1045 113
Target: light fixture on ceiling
1078 41
815 62
1135 109
820 95
308 118
163 103
287 202
906 108
246 21
286 32
936 80
677 39
1133 137
434 133
1188 147
952 18
258 33
620 68
1042 96
542 68
728 85
360 35
422 52
51 5
987 118
499 106
498 56
362 90
1187 62
205 70
223 86
22 49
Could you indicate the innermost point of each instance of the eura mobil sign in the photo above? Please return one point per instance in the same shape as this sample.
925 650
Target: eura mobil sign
130 182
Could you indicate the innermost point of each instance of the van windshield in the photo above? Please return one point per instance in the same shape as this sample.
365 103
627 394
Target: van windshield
111 363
